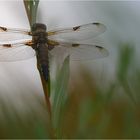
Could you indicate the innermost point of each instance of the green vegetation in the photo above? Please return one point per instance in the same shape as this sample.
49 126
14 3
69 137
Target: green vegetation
87 110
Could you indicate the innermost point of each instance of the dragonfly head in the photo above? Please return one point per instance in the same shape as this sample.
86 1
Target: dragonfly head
38 26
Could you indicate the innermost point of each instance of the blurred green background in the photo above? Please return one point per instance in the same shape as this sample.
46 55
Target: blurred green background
94 99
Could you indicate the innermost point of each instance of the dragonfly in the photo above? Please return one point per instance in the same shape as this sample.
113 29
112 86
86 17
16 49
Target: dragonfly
21 44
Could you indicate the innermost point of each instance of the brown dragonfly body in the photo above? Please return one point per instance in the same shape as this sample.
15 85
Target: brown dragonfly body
40 45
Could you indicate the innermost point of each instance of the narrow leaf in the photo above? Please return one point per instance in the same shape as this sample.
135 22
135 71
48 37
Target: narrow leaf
60 95
31 9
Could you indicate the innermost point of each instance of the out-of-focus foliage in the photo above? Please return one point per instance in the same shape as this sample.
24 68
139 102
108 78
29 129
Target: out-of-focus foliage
89 111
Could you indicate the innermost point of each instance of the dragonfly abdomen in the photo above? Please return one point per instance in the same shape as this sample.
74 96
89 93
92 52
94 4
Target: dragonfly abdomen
40 46
43 58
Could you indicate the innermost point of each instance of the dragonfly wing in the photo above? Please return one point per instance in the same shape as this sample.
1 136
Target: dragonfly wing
79 51
16 52
77 33
14 30
88 52
11 35
11 38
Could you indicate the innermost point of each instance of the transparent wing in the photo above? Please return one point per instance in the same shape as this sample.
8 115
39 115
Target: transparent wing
77 33
12 35
10 38
14 30
14 44
16 52
78 51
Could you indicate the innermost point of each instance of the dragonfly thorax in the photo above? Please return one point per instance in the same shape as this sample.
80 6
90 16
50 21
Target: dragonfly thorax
39 33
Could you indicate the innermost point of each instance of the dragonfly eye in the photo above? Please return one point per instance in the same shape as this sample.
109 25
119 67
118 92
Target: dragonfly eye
39 26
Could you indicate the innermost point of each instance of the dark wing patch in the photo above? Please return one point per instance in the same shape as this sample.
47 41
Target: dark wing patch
7 45
3 29
75 45
100 47
76 28
96 23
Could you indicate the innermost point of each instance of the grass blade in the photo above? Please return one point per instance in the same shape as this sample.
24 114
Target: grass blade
31 10
60 96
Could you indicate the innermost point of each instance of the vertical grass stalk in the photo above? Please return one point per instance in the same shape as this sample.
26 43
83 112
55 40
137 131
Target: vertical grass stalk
31 10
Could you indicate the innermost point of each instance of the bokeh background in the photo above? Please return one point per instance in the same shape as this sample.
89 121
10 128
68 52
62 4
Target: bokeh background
104 93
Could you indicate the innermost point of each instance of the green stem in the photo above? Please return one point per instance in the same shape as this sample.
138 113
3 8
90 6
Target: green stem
31 10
